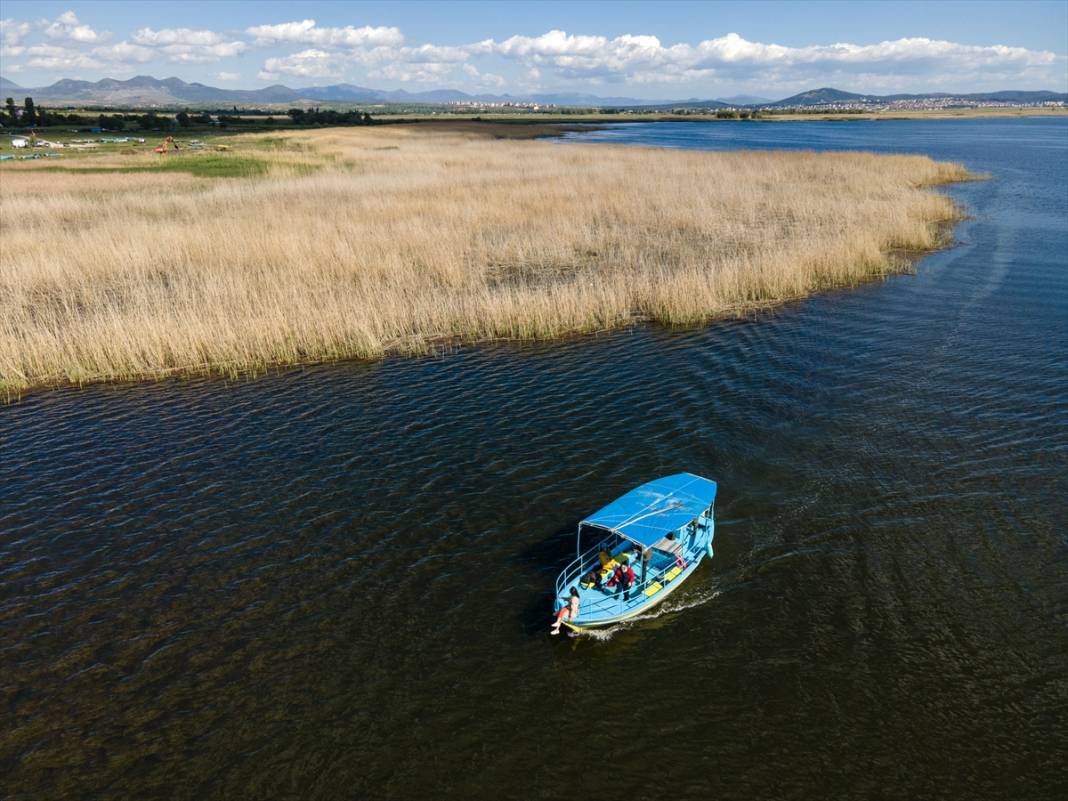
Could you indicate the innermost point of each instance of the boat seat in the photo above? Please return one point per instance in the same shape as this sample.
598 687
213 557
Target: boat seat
673 573
609 567
653 589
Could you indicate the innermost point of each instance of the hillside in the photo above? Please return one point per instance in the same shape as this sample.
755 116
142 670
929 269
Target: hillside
9 86
819 97
147 92
144 90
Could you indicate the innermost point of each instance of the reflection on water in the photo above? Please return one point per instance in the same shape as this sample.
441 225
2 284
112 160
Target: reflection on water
333 582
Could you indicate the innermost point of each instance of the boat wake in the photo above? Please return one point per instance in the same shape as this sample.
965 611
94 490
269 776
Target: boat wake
669 607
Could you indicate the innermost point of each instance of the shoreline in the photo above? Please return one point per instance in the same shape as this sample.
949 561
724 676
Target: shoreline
629 119
581 253
440 347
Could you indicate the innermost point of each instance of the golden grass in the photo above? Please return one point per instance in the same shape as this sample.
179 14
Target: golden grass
406 236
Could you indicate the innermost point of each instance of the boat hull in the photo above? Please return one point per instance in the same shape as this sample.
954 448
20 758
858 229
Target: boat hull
640 609
656 534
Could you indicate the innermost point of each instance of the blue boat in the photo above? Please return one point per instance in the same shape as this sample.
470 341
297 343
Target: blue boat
660 530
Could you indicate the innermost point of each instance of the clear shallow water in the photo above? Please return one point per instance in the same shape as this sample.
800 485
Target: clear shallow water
334 582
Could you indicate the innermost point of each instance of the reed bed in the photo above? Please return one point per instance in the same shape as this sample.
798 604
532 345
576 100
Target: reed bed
364 242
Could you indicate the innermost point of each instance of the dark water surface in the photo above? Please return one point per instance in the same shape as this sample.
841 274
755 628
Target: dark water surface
334 583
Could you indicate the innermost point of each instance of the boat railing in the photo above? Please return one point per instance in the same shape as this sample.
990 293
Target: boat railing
581 565
613 602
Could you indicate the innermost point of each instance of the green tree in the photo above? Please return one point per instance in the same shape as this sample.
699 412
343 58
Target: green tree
11 115
182 119
110 123
150 122
31 113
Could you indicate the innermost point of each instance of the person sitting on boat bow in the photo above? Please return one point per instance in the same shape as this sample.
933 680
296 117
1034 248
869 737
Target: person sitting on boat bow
624 577
568 611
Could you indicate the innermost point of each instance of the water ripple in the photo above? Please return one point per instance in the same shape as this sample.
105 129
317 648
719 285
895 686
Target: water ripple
332 581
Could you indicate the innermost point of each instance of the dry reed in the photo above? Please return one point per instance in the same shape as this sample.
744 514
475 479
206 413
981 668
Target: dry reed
404 237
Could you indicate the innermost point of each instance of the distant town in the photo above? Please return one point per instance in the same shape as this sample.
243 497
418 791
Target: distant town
842 107
173 94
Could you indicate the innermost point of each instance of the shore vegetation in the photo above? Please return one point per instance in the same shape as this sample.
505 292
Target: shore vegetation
359 242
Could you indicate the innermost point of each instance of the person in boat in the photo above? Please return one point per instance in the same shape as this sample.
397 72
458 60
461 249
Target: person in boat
593 578
568 611
623 578
647 554
597 575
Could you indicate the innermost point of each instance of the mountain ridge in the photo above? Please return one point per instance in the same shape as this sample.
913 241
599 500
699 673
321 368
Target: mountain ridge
147 91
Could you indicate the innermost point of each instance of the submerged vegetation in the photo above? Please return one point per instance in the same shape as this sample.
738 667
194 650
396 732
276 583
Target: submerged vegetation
366 241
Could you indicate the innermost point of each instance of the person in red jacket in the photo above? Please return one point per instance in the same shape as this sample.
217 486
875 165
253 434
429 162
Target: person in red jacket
623 578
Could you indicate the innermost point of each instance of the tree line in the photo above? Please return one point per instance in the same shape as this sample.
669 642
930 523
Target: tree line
30 115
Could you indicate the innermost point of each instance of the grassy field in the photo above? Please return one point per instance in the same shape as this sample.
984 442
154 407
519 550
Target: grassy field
358 242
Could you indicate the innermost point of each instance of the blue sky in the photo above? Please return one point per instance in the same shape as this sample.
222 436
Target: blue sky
650 50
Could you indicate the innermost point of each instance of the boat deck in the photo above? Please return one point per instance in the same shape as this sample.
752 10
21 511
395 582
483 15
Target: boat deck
596 603
668 521
672 546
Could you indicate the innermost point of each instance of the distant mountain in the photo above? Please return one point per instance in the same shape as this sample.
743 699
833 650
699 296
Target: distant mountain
9 86
820 97
342 92
572 99
1010 96
744 100
346 92
693 103
146 91
827 96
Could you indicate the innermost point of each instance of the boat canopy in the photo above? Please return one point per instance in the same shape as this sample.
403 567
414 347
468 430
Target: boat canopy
646 513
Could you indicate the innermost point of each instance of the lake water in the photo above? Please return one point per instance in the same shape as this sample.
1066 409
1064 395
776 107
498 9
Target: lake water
336 582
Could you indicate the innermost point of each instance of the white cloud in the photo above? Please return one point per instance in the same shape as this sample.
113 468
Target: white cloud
555 57
484 78
310 63
185 45
227 76
423 54
124 52
12 31
424 59
428 72
171 36
307 32
178 45
58 59
644 59
190 53
68 26
423 64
